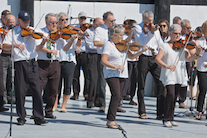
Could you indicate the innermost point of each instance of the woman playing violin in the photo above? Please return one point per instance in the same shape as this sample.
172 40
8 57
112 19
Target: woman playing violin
202 70
114 70
173 76
67 62
164 25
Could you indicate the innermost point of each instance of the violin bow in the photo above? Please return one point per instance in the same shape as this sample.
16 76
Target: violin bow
130 36
36 27
184 48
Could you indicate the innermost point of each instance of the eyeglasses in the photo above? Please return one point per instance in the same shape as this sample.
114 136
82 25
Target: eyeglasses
83 18
112 21
64 19
162 26
53 22
187 27
177 33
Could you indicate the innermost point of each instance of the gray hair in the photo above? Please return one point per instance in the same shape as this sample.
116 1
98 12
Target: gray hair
60 15
49 14
116 29
174 27
147 13
184 21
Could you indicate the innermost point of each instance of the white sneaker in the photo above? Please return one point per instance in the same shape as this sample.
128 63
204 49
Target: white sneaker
173 123
167 124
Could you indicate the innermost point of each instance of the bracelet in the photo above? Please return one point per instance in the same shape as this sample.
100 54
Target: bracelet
196 55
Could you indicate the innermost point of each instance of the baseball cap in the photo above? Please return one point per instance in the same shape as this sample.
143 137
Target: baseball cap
24 15
82 14
5 12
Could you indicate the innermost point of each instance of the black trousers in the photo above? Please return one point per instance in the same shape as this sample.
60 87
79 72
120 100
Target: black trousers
116 85
101 83
49 72
6 75
27 73
67 71
81 60
131 82
202 80
1 83
93 77
170 100
147 63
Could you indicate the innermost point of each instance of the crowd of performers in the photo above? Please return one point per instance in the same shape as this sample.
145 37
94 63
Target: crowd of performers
120 55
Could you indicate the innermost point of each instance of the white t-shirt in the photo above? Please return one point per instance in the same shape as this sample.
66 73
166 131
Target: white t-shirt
70 54
151 40
115 57
30 45
101 34
179 76
56 46
202 61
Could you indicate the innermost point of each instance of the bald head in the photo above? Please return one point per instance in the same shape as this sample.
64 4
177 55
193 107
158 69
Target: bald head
97 22
10 20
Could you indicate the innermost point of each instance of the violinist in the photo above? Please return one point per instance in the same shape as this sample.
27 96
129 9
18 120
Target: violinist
164 25
173 76
6 57
48 61
147 34
67 64
114 70
81 60
26 70
202 71
100 37
3 21
91 51
131 82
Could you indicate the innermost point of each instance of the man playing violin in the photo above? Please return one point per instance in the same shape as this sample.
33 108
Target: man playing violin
6 57
81 59
26 70
91 51
147 34
48 61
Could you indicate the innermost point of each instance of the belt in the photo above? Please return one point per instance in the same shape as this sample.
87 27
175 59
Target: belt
80 53
48 61
29 60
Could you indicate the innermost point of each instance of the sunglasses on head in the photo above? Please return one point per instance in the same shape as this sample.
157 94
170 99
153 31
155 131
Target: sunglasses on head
83 18
64 19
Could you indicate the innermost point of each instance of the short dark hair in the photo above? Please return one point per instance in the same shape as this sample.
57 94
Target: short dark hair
5 12
129 22
106 14
176 18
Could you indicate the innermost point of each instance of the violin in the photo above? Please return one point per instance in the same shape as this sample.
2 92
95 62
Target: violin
122 46
72 30
4 31
36 35
85 26
128 29
194 36
60 34
181 44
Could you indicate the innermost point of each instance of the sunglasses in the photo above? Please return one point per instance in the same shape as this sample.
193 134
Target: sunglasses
163 26
64 19
112 21
83 18
177 33
187 27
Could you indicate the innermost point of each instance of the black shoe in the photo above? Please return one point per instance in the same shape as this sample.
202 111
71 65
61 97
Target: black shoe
21 122
126 98
39 121
3 109
50 116
74 97
32 117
